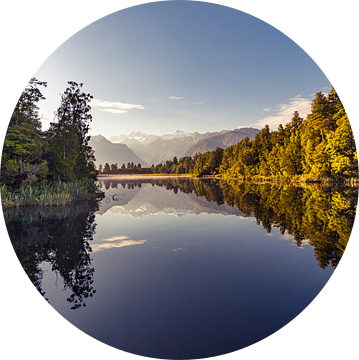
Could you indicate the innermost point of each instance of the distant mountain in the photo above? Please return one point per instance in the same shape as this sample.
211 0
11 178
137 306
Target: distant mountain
136 135
147 139
138 147
154 149
223 140
108 152
174 135
161 150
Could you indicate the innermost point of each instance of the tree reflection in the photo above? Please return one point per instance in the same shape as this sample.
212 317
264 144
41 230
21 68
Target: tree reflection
60 236
321 215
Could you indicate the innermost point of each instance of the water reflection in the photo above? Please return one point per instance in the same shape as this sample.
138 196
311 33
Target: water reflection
320 216
116 242
59 236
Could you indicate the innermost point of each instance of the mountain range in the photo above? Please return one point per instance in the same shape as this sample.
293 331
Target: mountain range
148 149
146 139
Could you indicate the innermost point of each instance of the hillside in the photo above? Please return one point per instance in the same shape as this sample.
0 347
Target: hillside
108 152
224 139
161 148
154 149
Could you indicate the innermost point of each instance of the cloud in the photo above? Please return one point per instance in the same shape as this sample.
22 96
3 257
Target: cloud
114 238
284 112
114 111
176 98
114 107
115 242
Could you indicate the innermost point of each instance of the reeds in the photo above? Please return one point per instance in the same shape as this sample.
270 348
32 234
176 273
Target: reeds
50 194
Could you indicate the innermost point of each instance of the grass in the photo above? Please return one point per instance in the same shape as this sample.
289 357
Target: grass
50 194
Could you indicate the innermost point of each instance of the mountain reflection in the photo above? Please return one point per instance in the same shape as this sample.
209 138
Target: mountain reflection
150 196
320 216
60 236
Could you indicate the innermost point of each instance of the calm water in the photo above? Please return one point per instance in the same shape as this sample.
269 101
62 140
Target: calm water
182 268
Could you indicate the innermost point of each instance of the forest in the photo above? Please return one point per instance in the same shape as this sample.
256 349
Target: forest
57 166
49 167
318 148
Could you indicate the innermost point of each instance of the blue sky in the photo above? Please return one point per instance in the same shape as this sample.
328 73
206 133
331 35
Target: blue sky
183 65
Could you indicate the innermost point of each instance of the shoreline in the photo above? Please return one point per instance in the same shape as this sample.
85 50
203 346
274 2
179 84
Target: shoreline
145 176
50 194
255 179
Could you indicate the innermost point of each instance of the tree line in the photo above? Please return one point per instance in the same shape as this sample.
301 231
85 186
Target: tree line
33 157
177 166
321 146
130 168
318 147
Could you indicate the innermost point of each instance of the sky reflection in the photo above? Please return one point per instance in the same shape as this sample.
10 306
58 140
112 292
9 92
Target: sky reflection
115 242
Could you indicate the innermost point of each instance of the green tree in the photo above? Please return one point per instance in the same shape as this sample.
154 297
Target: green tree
106 169
213 162
274 160
63 151
23 146
335 104
73 119
114 168
341 148
198 167
291 153
310 139
320 116
261 146
296 121
291 160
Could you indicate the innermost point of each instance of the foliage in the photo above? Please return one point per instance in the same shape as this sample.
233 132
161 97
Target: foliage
22 160
318 148
33 162
340 145
67 151
54 193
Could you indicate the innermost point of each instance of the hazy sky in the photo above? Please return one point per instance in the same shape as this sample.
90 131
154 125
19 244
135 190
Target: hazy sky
183 65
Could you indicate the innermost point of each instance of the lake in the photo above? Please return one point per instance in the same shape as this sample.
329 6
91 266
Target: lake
185 268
